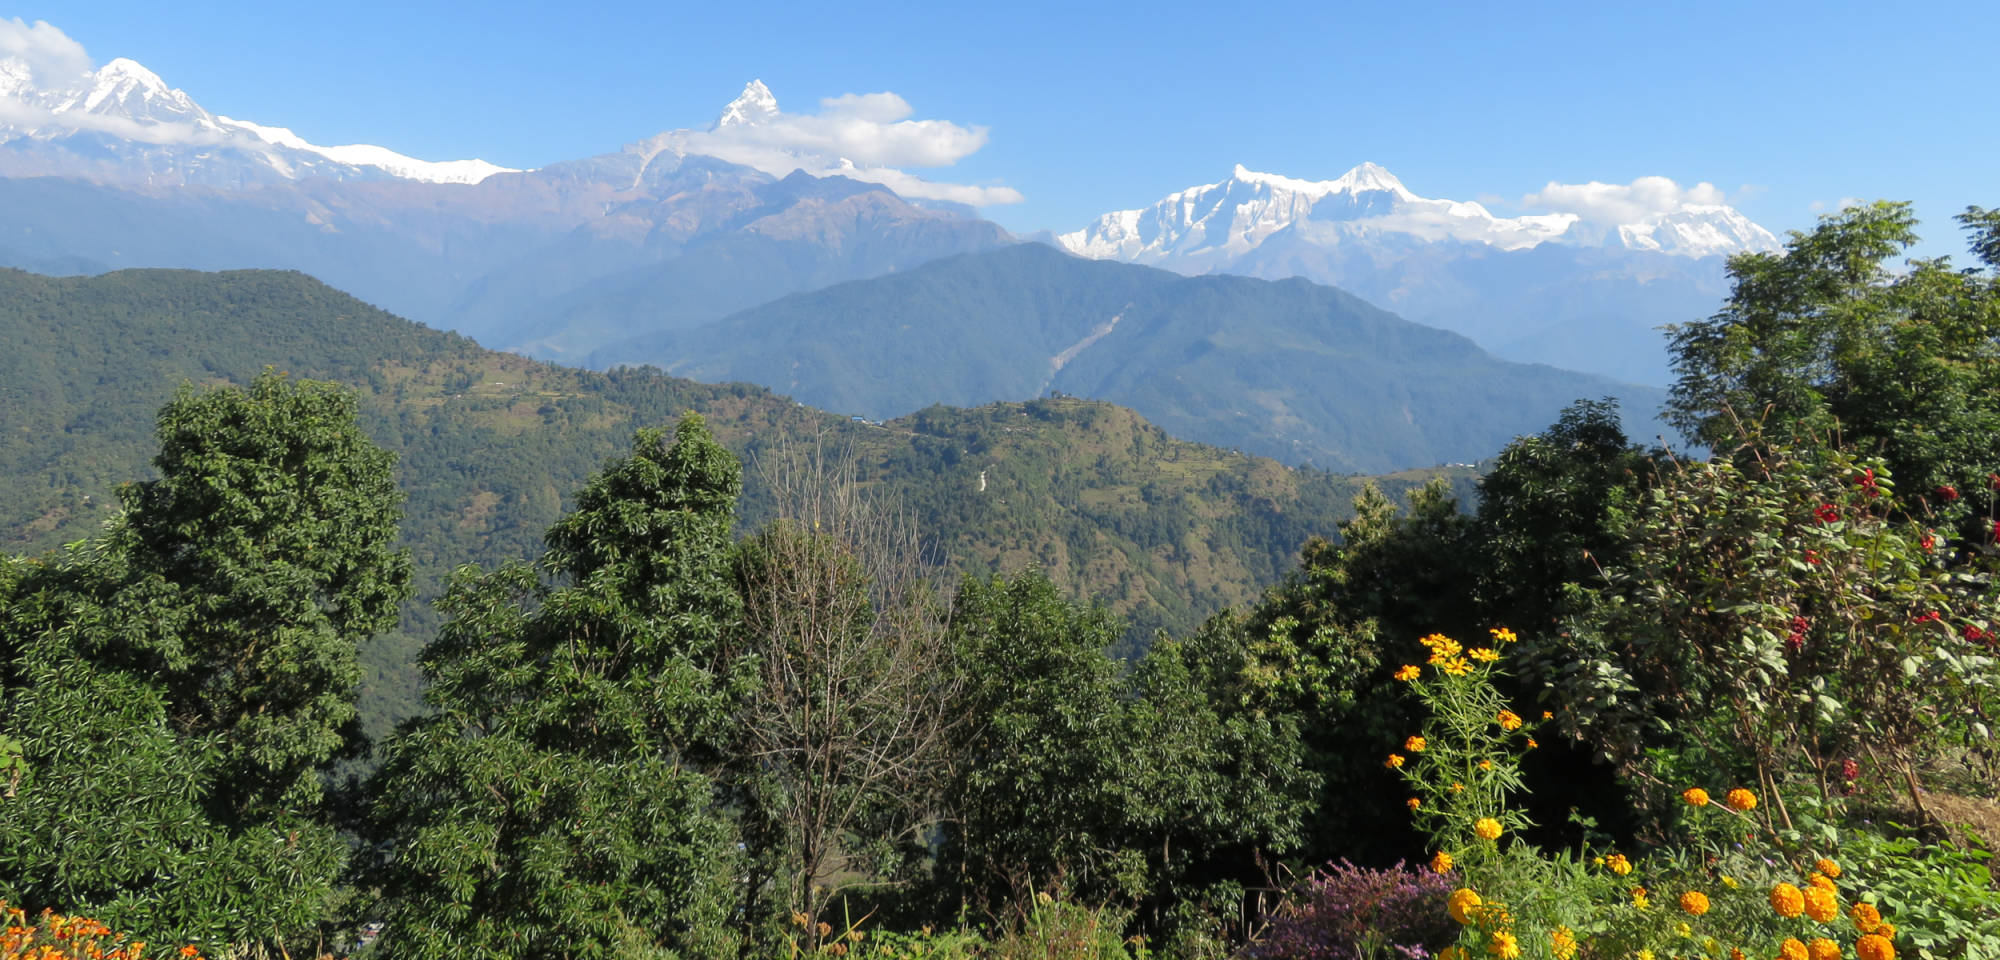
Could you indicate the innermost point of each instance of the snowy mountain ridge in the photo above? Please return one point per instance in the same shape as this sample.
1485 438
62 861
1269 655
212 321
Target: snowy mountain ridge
1208 227
127 113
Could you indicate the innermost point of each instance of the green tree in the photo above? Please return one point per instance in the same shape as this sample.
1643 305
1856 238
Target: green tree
1830 337
556 803
1035 796
183 684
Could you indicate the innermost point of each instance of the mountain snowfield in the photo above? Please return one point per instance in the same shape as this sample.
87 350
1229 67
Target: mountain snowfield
1210 227
125 112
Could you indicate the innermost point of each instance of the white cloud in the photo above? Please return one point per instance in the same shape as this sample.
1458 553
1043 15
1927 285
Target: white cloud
866 136
1613 204
52 58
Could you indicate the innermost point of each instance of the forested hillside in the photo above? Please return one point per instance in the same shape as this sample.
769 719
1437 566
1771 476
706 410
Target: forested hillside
491 447
1289 369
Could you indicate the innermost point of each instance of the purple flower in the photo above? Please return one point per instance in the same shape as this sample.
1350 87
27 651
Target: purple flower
1345 912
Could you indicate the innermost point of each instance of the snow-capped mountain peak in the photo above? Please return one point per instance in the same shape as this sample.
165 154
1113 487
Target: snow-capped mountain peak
756 104
122 121
1211 227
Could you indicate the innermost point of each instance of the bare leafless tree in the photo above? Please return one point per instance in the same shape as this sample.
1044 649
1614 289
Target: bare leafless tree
846 726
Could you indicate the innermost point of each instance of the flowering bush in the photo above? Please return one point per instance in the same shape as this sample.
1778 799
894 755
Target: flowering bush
53 936
1345 912
1745 883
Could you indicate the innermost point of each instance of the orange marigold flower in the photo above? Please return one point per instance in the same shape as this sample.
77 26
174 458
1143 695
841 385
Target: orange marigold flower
1562 943
1532 744
1409 672
190 951
1787 901
1820 905
1828 867
1414 744
1395 760
1866 917
1886 931
1824 949
1482 654
1694 903
1792 949
1485 764
1504 946
1874 947
1502 635
1618 864
1413 803
1508 720
1487 828
1741 799
1461 905
1457 787
1821 881
1695 796
1441 863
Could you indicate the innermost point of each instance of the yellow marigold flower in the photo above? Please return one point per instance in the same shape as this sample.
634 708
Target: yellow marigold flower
1787 901
1395 760
1874 947
1639 898
1487 828
1729 881
1820 904
1618 864
1414 744
1532 744
1695 796
1827 867
1683 931
1485 764
1457 787
1792 949
1643 955
1502 635
1548 715
1562 943
1413 803
1453 953
1456 666
1694 903
1462 903
1441 863
1866 917
1482 654
1504 946
1741 799
1409 672
1824 949
1508 720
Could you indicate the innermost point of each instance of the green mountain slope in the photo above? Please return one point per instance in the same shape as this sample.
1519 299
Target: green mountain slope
492 444
1286 369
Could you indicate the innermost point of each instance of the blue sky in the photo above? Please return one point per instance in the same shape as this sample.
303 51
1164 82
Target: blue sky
1787 108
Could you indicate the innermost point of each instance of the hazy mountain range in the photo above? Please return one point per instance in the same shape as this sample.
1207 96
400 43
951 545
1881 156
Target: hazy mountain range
659 253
